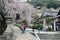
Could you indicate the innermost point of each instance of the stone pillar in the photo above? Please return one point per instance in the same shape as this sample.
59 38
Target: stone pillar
44 23
54 25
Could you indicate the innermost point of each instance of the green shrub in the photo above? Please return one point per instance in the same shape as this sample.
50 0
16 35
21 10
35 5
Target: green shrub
24 21
49 29
18 24
41 26
36 26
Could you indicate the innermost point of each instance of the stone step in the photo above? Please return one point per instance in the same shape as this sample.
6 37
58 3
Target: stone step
49 36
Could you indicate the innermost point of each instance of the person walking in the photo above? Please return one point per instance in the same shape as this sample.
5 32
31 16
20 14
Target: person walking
24 28
38 27
32 26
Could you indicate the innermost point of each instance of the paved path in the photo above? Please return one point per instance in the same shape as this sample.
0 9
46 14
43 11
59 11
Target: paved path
20 36
17 35
14 33
43 32
47 35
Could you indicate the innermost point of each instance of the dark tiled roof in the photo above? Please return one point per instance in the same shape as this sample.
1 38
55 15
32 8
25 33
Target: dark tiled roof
58 13
50 14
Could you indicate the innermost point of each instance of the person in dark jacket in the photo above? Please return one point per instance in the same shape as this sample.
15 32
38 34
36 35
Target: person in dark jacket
38 27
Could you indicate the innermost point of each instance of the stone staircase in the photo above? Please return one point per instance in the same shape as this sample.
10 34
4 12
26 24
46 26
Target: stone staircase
49 36
7 35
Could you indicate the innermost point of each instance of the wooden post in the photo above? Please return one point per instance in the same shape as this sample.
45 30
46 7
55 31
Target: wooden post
54 25
44 23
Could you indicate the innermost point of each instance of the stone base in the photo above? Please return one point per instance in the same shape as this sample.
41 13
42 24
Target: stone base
6 36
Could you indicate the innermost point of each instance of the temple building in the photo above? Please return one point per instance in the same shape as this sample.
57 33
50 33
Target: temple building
57 22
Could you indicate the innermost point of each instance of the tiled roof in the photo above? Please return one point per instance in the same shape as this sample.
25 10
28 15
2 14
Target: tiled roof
58 13
50 14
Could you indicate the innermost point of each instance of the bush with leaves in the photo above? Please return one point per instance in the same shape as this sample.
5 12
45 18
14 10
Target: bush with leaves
24 21
49 29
